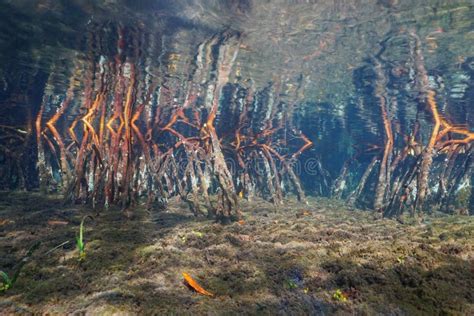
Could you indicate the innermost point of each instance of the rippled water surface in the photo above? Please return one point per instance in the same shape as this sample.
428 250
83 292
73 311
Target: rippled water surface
323 46
330 62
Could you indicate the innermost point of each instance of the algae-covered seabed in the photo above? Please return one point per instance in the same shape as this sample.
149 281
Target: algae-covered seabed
285 260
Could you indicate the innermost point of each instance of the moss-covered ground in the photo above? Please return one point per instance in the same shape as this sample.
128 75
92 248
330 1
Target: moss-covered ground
321 259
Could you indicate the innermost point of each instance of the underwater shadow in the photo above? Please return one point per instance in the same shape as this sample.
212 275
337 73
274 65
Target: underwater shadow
408 286
112 243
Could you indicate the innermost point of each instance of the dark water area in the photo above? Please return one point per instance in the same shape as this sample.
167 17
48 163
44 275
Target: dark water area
177 115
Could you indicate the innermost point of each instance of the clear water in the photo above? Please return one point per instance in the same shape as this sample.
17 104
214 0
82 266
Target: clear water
317 58
139 124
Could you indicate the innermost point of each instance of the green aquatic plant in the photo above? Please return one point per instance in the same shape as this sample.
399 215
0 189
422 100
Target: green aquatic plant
291 284
80 239
339 296
7 282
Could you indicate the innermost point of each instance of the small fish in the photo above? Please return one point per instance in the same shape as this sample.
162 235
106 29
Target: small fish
241 194
192 283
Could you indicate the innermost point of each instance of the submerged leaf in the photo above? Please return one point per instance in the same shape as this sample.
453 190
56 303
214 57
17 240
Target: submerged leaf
192 283
55 223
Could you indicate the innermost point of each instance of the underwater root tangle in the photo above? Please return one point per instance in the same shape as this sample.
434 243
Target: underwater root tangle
404 172
128 135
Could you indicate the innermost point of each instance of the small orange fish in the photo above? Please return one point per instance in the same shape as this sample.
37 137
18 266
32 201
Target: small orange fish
241 222
192 283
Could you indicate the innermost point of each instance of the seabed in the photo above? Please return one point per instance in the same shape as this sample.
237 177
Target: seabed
322 258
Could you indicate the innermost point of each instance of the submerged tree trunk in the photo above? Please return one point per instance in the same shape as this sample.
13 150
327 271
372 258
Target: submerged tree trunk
384 171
